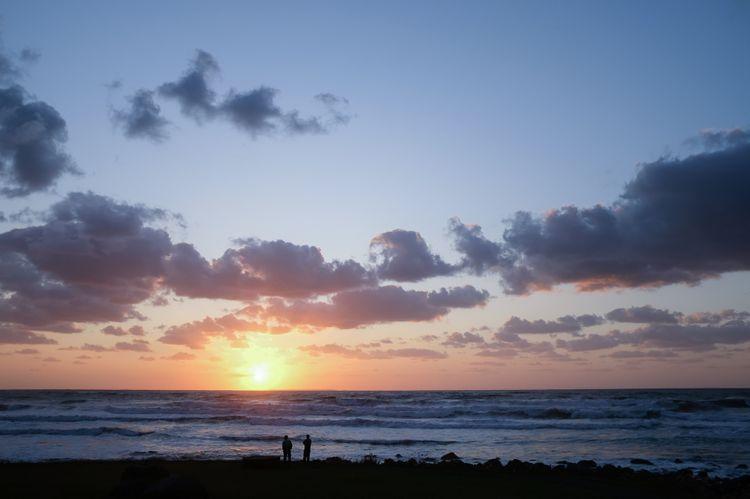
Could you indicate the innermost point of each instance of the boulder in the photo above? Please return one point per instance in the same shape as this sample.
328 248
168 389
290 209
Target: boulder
587 463
451 456
640 461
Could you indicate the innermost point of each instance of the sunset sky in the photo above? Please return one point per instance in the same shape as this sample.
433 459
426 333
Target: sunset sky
374 195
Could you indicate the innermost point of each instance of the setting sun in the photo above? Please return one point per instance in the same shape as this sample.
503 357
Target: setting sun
259 374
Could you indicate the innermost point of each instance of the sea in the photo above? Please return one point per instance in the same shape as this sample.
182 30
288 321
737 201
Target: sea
699 429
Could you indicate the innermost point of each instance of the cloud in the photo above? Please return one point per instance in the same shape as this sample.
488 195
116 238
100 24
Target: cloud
192 90
180 356
566 324
27 351
640 354
373 354
11 335
254 111
197 334
681 220
713 139
645 314
136 331
688 337
261 268
92 261
32 138
143 119
716 317
29 55
356 308
479 253
133 346
461 340
402 255
334 105
114 331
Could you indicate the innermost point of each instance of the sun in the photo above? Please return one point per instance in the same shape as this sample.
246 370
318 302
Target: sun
259 374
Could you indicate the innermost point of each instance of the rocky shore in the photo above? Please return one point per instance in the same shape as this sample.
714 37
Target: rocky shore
264 476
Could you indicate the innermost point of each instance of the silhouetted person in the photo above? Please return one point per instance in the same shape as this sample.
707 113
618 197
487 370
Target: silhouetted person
306 452
286 447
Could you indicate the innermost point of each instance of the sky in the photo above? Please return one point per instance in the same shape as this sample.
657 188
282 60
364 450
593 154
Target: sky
389 195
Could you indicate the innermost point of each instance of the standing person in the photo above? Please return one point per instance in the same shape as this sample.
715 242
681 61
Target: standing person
306 452
286 447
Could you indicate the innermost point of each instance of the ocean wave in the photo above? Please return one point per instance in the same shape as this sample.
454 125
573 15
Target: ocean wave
93 432
13 407
375 442
710 405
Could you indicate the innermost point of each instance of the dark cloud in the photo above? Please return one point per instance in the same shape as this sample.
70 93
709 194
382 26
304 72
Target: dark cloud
461 340
681 220
262 268
136 331
716 317
133 346
91 262
402 255
480 254
713 139
641 354
32 135
192 90
114 331
356 308
360 353
644 315
253 111
142 119
666 336
566 324
13 335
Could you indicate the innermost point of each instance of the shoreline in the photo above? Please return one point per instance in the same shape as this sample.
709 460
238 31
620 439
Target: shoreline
267 476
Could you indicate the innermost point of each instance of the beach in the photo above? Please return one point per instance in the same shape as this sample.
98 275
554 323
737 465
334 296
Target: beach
340 478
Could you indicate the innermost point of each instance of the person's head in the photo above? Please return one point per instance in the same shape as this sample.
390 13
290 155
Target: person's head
308 436
286 437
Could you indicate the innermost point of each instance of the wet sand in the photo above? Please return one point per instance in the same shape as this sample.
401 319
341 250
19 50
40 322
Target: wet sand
338 478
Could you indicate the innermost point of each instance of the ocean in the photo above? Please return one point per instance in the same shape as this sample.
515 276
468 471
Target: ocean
705 429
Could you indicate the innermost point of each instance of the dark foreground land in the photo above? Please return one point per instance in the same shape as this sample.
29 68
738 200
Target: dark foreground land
338 478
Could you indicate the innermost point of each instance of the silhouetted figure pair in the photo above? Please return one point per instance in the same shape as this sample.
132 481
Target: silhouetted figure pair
286 447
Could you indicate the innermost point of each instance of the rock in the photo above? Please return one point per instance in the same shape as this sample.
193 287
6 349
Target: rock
587 463
702 474
515 466
741 467
176 487
451 456
492 464
334 460
678 461
641 461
